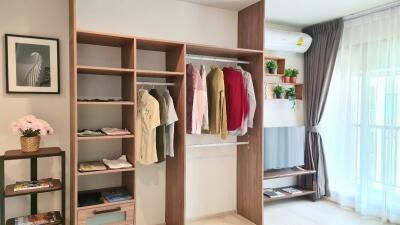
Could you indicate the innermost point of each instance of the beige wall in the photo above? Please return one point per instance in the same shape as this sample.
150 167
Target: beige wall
46 18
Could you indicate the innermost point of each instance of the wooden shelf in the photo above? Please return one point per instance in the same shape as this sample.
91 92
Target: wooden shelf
11 221
297 171
274 75
207 50
106 203
162 74
43 152
96 70
104 39
106 171
9 191
288 195
106 137
156 44
106 103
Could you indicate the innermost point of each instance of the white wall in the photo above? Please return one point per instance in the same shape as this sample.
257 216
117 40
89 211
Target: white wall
210 173
46 18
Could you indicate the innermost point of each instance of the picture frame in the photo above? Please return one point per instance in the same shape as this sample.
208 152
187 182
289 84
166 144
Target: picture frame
32 64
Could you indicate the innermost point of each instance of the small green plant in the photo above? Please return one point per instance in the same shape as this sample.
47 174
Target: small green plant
295 72
271 66
279 91
288 72
291 95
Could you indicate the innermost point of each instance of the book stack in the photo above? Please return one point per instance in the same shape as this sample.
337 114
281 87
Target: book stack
271 193
32 185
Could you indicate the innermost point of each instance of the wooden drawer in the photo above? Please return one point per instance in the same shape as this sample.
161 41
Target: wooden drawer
115 214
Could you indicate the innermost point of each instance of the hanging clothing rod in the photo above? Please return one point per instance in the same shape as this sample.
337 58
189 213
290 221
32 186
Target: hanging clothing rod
217 144
156 83
215 59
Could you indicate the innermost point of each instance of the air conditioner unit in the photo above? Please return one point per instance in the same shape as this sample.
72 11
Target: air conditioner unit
288 41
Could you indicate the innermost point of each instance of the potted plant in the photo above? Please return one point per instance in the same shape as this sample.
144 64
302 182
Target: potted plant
291 95
279 92
271 66
288 74
31 128
293 76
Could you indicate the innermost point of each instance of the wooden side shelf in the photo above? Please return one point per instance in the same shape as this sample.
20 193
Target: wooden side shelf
104 39
297 171
43 152
305 192
97 70
162 74
128 103
105 137
9 192
106 171
280 71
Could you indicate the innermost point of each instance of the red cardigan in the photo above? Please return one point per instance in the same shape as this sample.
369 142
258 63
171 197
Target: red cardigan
237 105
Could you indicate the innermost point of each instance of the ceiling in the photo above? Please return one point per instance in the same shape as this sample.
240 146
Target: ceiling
300 13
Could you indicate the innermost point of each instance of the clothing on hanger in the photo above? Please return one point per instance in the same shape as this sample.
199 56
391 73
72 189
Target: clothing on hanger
216 102
199 102
203 73
147 119
172 117
251 99
160 130
237 106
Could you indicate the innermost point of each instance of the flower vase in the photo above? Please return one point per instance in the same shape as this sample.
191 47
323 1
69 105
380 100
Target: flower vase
30 144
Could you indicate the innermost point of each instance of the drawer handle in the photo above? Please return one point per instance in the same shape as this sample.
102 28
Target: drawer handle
107 211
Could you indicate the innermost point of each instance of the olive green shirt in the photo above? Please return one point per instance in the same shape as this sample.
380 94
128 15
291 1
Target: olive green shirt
160 130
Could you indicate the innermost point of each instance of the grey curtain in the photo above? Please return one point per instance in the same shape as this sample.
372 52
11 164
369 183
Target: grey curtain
319 62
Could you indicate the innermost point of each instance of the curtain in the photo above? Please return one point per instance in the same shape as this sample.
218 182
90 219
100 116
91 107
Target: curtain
361 125
319 62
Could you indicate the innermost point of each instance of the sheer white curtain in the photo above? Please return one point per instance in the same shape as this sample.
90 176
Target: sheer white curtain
361 123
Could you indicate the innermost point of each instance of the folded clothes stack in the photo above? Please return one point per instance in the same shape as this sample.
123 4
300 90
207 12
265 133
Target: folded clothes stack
102 132
120 163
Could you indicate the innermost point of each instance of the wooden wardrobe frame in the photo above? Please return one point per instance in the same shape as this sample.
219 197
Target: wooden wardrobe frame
249 157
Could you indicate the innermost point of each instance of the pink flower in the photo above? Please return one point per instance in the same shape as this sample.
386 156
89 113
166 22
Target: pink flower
31 123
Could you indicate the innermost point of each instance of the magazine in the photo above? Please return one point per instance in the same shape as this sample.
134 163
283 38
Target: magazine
39 219
91 166
30 185
116 195
292 190
272 193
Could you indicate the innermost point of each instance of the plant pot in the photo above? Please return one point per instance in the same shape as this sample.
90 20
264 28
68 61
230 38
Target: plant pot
293 80
285 79
30 144
279 96
271 71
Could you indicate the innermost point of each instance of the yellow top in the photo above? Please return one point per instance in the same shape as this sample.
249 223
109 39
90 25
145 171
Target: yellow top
216 102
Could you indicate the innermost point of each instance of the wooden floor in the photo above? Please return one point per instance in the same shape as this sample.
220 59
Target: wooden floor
297 212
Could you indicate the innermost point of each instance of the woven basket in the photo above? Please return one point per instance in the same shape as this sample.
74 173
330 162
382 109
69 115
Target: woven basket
30 144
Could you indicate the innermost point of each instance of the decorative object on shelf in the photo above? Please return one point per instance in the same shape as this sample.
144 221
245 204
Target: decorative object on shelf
279 92
293 77
291 95
287 75
271 66
53 217
31 128
32 64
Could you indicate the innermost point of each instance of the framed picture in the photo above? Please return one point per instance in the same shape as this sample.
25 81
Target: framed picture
32 64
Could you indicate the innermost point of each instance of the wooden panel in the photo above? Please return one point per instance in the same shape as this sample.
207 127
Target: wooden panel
297 171
251 22
156 44
9 192
103 70
175 59
42 152
208 50
250 172
104 39
288 195
155 73
175 168
85 214
108 171
105 137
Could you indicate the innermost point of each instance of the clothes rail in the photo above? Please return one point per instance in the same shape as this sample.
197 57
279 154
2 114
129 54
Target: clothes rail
215 59
217 144
155 83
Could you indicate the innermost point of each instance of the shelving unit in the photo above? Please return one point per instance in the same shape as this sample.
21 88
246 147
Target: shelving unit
249 156
8 191
291 172
280 72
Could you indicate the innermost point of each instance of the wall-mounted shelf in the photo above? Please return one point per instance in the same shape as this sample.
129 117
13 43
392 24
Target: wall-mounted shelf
280 70
305 192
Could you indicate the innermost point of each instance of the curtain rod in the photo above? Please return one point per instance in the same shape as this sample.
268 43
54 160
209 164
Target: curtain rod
372 10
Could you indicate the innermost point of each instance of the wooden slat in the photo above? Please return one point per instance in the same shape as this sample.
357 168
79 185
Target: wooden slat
288 195
9 192
81 69
43 152
156 44
273 174
108 171
208 50
155 73
105 137
129 103
251 22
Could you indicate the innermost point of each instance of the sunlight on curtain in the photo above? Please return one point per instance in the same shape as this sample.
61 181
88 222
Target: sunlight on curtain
361 124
